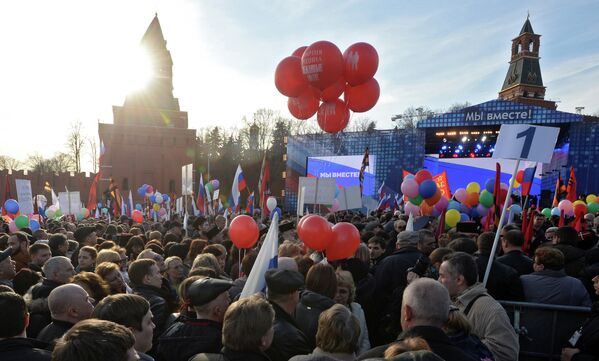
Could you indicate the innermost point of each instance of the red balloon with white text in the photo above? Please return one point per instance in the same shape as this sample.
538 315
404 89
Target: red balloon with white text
361 63
322 64
304 106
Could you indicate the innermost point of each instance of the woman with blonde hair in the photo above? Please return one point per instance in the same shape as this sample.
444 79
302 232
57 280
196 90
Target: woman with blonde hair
346 291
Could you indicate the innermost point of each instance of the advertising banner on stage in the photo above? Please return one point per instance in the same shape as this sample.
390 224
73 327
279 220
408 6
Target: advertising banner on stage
345 170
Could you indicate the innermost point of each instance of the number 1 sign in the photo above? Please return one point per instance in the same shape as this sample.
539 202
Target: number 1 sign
526 142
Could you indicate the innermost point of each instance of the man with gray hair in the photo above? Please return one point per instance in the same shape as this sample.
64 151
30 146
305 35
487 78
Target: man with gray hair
424 311
68 305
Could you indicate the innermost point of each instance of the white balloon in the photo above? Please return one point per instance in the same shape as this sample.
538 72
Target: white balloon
271 203
159 199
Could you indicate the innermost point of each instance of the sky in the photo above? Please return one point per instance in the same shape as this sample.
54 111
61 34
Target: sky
71 60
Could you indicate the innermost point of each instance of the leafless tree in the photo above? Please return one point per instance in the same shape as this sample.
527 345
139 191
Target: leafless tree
411 116
93 151
75 143
361 125
7 162
61 162
458 106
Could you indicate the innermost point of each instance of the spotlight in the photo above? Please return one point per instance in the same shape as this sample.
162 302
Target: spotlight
464 139
484 138
444 147
460 147
478 146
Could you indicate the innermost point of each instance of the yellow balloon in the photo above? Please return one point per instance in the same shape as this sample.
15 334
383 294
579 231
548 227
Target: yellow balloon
452 217
516 184
156 207
473 187
591 198
578 202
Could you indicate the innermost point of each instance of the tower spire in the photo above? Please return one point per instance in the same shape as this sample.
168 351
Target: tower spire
523 82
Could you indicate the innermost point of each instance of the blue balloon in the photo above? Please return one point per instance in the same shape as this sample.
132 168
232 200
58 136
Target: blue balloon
464 217
153 198
165 197
555 212
42 212
99 204
138 207
11 206
473 212
516 209
141 191
454 205
490 185
34 225
278 211
428 188
464 209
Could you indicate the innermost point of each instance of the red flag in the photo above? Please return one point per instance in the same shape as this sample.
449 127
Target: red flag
529 232
365 163
524 221
441 226
571 186
562 220
487 224
558 189
264 184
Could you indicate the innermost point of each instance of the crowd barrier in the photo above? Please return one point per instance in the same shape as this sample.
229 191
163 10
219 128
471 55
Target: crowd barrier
543 329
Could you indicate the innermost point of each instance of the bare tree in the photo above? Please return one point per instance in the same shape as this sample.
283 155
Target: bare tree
458 106
411 116
93 151
61 162
361 125
7 162
75 143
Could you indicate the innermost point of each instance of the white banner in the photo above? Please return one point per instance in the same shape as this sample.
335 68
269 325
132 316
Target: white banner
70 202
318 190
526 142
187 180
24 196
349 198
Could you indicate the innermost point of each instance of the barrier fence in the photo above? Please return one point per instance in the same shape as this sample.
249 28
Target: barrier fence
544 329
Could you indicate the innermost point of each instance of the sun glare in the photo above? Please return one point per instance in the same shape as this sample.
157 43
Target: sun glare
138 70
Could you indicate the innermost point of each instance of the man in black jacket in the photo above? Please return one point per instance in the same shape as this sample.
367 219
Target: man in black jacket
209 298
283 295
513 256
424 311
13 342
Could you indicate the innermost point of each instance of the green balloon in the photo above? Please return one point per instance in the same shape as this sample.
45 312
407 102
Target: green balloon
416 200
547 212
22 222
58 213
486 199
593 207
104 210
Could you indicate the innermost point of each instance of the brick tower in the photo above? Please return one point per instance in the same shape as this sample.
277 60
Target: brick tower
149 141
523 82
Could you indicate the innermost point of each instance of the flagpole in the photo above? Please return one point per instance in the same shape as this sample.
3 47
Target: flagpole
500 226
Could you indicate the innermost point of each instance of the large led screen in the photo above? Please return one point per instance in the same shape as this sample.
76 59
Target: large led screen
345 169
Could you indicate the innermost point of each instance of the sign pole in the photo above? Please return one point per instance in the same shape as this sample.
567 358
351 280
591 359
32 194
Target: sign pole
500 226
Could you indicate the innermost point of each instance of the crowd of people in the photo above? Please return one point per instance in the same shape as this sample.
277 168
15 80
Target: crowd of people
118 290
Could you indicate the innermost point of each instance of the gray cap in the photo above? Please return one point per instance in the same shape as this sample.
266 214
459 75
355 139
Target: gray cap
407 238
284 281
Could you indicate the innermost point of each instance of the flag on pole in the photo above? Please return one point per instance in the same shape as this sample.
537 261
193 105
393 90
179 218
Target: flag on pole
130 210
571 186
263 185
239 185
267 258
91 199
497 193
382 189
201 201
558 190
249 209
527 179
365 163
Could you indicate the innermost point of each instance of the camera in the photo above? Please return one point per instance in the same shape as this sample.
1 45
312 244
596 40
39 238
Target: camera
421 266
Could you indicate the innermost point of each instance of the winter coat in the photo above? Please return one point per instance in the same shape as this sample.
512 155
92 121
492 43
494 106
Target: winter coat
288 340
308 310
363 341
588 342
319 355
19 349
187 337
489 322
556 288
37 304
504 282
156 297
54 331
391 274
573 259
518 261
230 355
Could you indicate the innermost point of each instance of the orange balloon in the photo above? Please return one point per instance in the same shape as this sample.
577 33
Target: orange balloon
472 199
434 199
426 209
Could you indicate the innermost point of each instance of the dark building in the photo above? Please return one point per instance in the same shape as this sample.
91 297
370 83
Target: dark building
149 140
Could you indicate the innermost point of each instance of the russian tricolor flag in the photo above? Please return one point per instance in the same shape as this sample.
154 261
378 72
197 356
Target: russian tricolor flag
527 179
238 186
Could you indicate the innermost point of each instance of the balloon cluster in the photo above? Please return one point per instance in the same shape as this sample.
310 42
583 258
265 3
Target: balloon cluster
471 202
339 241
424 196
16 220
576 208
320 72
212 185
157 200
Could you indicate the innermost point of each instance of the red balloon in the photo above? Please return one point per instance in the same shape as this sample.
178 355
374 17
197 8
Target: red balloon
333 116
520 176
300 223
137 216
422 175
316 232
288 77
361 62
362 98
334 91
322 64
243 231
346 240
304 106
299 51
580 210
